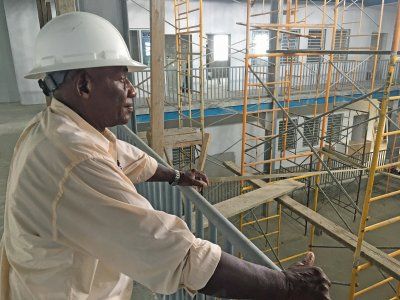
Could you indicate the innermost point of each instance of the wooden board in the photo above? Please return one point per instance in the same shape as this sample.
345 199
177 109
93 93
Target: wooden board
157 40
203 155
388 264
65 6
177 137
235 169
349 161
375 256
242 203
279 175
346 159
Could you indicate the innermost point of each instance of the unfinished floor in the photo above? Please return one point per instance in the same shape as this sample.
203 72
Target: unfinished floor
335 261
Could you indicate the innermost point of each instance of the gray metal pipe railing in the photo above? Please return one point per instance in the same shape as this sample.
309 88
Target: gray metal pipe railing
227 82
218 221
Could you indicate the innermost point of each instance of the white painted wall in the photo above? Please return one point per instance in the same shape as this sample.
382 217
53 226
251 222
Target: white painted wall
219 17
223 137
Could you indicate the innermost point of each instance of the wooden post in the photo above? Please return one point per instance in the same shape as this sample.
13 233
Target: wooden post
44 15
44 12
204 148
157 40
65 6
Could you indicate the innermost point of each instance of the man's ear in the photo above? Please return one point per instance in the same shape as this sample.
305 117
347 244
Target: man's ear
83 85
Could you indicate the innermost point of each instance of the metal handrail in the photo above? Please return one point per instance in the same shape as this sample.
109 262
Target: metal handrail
225 227
227 82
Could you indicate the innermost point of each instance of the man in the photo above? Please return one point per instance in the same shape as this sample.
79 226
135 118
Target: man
75 227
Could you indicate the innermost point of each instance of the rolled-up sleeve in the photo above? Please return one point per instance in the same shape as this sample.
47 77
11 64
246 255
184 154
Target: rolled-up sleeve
101 214
136 164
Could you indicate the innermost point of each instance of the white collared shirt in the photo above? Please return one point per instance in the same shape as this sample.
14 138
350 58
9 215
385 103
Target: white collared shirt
75 226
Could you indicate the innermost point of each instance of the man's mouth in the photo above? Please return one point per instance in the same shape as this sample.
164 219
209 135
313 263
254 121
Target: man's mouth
129 107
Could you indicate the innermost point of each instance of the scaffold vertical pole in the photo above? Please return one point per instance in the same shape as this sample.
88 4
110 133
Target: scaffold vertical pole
245 88
324 118
374 162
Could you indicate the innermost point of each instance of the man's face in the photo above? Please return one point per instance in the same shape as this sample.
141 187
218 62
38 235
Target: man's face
111 97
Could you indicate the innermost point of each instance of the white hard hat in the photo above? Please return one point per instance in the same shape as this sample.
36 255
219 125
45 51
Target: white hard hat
80 40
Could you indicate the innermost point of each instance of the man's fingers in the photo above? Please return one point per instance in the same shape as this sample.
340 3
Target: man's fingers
200 176
199 183
204 178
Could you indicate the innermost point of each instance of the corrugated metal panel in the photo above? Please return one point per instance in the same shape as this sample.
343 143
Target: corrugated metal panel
162 196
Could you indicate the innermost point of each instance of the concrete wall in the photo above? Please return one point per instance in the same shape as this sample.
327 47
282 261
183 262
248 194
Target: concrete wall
222 139
23 26
110 10
8 82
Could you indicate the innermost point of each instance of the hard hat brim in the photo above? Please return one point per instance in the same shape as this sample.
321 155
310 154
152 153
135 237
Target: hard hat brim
40 72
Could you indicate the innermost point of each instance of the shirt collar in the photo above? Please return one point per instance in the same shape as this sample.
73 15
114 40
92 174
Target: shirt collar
105 139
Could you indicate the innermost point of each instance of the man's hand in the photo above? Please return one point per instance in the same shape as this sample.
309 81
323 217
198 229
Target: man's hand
188 178
306 282
193 178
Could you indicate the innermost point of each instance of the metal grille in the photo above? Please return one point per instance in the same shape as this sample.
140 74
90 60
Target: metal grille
182 157
291 136
311 131
334 128
317 43
290 42
342 41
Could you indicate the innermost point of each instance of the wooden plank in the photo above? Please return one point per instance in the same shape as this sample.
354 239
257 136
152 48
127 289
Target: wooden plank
203 154
178 131
230 165
242 203
349 161
64 6
341 157
377 257
157 40
279 175
174 138
185 140
169 132
388 264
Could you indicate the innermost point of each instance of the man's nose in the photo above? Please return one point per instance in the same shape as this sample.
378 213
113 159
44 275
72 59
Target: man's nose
131 89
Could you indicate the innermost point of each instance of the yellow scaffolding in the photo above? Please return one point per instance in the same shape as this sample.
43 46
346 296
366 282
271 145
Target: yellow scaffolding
261 112
190 71
368 199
